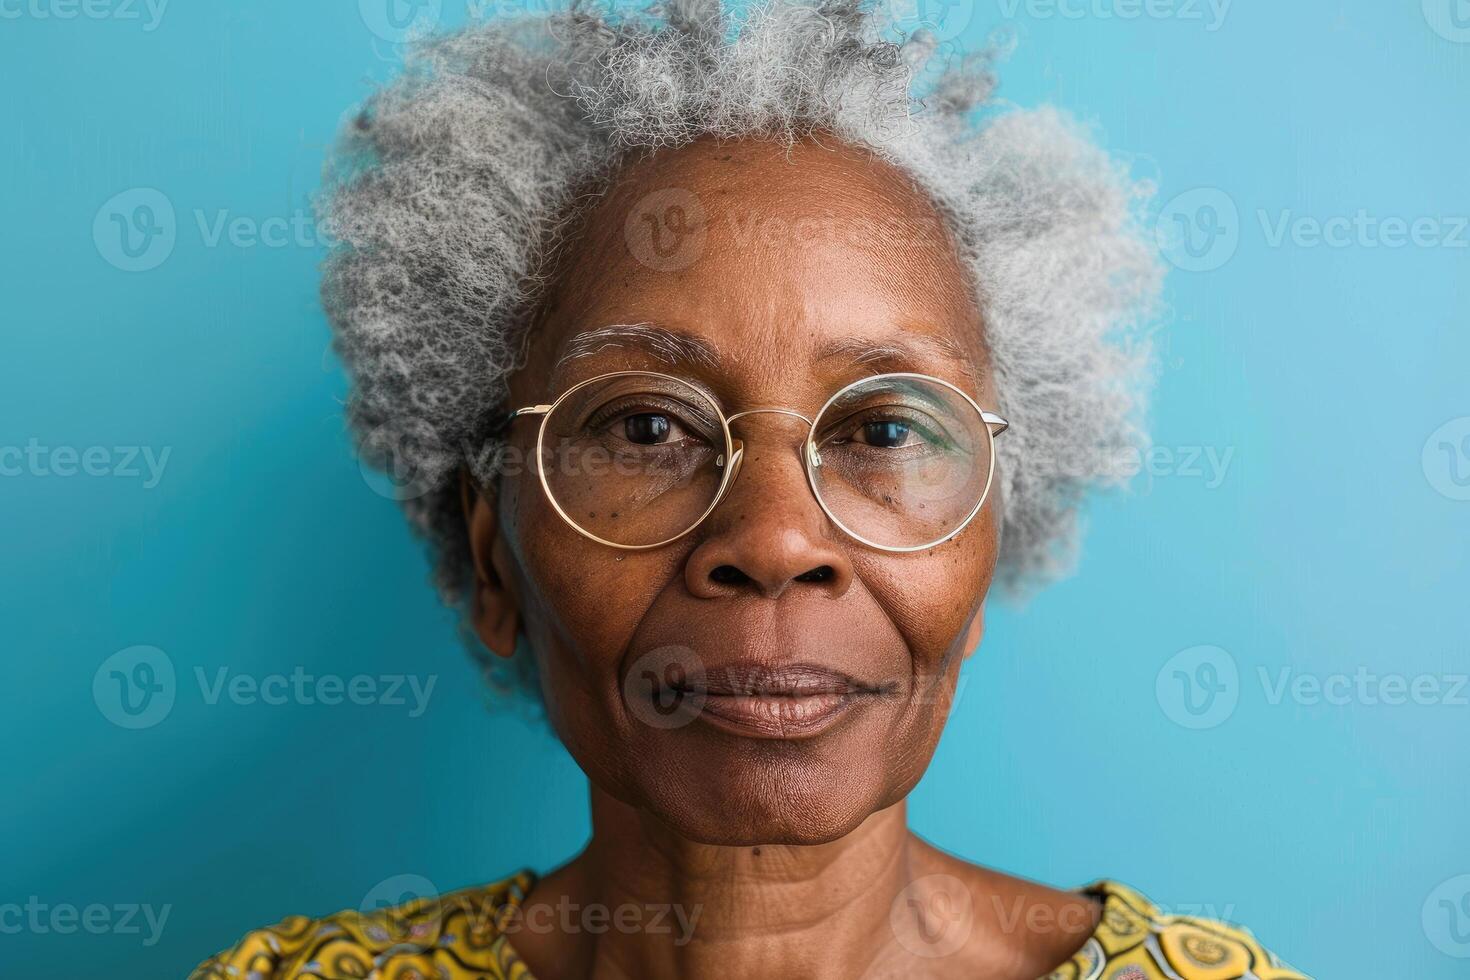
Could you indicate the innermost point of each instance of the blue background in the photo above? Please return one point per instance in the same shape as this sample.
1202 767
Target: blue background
1333 544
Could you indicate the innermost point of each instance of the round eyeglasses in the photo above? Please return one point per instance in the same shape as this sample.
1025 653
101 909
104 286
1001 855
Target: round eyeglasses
637 459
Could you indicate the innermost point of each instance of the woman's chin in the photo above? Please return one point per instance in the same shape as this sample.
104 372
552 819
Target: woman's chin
764 793
738 823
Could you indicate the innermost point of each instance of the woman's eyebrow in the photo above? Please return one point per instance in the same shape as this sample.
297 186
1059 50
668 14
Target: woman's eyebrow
897 353
670 346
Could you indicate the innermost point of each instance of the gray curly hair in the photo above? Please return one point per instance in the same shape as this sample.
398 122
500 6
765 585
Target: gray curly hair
456 182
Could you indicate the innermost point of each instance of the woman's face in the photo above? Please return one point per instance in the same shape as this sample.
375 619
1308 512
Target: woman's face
769 278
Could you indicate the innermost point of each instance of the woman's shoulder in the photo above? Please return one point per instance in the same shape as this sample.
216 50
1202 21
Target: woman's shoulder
1136 940
460 934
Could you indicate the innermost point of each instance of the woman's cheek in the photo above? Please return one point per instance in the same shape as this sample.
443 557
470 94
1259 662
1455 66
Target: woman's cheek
930 598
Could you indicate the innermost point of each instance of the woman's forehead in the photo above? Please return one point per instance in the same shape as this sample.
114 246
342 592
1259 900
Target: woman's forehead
750 256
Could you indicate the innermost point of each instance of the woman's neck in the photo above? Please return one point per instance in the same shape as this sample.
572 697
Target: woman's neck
677 909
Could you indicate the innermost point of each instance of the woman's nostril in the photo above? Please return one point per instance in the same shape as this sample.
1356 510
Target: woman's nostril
728 575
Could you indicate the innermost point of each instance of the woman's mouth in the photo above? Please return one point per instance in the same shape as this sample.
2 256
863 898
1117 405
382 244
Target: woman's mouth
758 701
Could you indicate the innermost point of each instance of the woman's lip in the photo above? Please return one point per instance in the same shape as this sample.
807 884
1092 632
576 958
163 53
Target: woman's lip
760 700
760 680
776 716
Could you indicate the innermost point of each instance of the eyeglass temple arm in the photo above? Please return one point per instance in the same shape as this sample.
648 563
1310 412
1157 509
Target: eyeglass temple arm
500 425
996 423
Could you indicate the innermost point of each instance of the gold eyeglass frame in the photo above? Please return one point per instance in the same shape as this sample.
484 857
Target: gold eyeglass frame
994 425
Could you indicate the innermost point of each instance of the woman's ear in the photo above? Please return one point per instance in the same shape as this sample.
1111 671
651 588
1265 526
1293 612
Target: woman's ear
493 609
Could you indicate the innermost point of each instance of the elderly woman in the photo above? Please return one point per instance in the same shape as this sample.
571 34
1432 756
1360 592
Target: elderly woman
732 364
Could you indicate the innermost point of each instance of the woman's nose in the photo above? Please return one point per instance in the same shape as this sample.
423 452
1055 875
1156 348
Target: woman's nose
769 534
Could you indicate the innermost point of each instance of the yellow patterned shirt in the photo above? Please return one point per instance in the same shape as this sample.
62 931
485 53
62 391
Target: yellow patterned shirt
462 936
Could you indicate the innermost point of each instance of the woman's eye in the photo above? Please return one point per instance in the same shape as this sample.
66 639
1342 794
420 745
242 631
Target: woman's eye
884 434
646 428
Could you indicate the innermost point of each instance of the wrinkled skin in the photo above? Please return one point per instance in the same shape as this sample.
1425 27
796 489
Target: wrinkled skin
798 252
